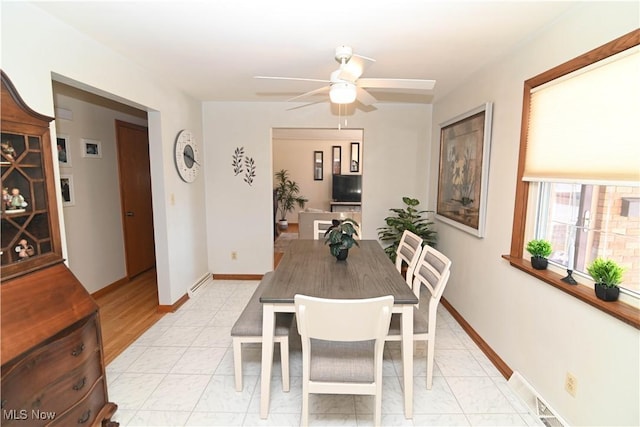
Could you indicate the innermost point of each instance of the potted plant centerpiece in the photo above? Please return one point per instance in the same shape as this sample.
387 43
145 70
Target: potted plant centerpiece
540 250
340 238
607 275
287 194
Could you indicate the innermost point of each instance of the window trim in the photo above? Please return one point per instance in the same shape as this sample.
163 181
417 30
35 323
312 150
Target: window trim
620 310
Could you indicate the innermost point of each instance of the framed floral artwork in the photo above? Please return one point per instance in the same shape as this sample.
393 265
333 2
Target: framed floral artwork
465 144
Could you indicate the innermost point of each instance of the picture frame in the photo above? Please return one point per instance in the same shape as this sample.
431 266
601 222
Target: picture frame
465 146
354 166
336 166
91 148
67 190
63 144
318 166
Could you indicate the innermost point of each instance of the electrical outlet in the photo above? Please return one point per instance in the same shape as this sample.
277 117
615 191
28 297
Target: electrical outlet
571 384
234 255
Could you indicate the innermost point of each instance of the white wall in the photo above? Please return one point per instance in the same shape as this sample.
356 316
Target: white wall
94 234
36 45
239 216
536 329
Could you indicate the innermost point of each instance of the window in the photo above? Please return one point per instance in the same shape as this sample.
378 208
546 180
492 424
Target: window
578 174
584 222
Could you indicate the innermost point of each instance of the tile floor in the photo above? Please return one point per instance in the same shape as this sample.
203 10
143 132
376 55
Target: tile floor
180 373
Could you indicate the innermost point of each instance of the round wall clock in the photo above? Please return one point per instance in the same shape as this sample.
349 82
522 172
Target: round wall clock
187 155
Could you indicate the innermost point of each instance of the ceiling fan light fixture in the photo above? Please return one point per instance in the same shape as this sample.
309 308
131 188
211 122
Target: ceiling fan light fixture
342 93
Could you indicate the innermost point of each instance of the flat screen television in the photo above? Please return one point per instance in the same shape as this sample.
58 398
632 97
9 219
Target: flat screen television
347 188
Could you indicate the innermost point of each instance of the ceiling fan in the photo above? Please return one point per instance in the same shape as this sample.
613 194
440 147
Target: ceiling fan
345 85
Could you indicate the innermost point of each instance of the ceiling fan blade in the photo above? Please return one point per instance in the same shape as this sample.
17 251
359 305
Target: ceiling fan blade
291 78
306 104
310 93
353 69
417 84
364 97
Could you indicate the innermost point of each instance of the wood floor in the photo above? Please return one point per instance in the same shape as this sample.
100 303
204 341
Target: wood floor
129 310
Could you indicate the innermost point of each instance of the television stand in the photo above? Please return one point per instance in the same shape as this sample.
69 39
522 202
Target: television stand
346 206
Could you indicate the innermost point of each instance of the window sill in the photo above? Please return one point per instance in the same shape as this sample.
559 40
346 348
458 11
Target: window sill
617 309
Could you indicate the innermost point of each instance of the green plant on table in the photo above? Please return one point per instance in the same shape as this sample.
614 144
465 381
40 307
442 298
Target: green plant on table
341 235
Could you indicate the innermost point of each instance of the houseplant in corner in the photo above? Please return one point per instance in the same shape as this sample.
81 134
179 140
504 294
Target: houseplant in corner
607 275
540 249
410 219
340 238
287 194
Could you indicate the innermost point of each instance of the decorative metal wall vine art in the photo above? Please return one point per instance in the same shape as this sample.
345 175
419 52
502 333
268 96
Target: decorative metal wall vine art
242 164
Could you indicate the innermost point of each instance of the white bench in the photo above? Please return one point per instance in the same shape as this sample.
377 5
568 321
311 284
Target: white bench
248 329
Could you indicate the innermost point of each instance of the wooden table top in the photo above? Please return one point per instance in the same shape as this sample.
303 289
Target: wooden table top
308 268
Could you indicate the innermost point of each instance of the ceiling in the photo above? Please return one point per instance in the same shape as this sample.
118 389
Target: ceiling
212 49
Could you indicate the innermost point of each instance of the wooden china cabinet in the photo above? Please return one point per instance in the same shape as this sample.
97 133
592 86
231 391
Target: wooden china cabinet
53 371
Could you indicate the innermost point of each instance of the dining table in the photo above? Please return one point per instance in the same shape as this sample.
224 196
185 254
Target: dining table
308 268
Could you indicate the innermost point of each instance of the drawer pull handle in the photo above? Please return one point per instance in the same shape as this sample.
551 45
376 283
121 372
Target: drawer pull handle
77 386
85 417
78 350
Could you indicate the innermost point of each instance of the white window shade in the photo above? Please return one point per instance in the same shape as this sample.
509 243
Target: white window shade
585 126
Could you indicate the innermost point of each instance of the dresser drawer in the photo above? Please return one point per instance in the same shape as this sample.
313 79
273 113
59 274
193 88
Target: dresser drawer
86 411
23 381
60 395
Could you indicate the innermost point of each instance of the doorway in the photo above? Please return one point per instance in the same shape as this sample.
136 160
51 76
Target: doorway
94 227
312 157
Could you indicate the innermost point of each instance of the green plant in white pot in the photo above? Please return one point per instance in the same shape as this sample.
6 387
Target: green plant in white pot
608 275
540 249
287 196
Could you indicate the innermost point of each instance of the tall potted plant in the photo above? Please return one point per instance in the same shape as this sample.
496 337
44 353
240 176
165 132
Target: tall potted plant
287 196
409 218
607 275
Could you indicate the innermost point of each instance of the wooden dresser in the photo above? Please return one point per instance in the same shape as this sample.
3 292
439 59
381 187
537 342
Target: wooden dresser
53 371
52 361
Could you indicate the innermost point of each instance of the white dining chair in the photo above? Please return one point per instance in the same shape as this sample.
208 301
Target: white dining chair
320 226
408 253
342 346
432 270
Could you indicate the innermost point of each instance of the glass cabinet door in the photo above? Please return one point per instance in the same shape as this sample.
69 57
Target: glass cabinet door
30 237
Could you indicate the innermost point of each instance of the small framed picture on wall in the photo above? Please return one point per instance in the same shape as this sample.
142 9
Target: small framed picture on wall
66 188
91 148
64 151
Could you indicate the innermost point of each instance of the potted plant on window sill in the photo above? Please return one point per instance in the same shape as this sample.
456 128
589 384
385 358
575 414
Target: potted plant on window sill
287 196
340 238
607 276
540 249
